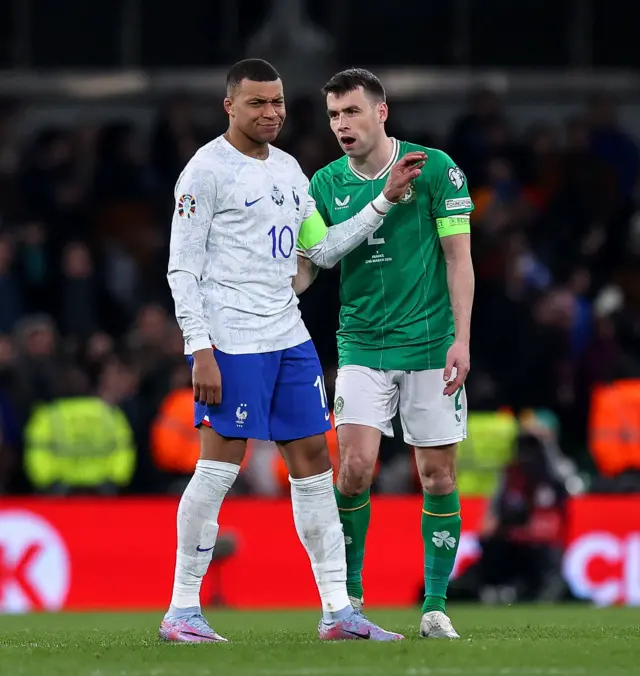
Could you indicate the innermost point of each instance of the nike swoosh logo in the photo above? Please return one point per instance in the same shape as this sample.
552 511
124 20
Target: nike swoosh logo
208 549
250 204
327 416
358 634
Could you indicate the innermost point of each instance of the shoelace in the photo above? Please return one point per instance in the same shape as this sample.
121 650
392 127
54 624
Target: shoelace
197 622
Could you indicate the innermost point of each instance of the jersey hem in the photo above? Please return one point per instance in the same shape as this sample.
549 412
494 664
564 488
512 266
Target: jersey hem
381 365
296 338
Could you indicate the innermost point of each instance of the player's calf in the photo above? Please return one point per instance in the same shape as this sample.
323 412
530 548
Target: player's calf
197 534
441 525
358 454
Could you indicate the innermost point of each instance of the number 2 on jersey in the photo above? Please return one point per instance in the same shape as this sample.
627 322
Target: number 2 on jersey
372 240
281 242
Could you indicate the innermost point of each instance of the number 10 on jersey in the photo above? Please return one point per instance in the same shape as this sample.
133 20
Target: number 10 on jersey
281 242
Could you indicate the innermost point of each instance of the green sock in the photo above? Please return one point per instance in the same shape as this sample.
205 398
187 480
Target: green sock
355 513
441 537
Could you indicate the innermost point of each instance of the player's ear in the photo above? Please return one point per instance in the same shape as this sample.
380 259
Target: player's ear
383 111
228 106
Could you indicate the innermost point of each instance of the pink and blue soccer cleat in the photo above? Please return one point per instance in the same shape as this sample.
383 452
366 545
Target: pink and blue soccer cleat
355 627
188 628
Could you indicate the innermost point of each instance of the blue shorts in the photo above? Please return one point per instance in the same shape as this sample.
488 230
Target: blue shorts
274 396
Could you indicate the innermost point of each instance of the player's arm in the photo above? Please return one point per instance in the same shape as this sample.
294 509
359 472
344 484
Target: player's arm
452 208
460 277
307 269
326 246
307 272
192 217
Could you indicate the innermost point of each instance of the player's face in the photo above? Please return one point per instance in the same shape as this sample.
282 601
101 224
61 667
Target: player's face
257 109
357 121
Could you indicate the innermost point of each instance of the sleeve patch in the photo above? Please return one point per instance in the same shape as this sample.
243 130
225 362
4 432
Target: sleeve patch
456 177
459 203
186 206
453 225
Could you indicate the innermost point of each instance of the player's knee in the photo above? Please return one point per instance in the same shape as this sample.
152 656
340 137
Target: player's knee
355 475
437 470
438 483
306 457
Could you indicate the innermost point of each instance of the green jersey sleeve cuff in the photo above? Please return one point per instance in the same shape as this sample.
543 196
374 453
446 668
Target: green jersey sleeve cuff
453 225
312 231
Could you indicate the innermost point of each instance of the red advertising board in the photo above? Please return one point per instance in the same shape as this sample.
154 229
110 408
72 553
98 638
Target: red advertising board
83 554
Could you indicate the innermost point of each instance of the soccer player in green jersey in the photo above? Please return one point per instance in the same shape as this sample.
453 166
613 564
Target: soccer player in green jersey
406 295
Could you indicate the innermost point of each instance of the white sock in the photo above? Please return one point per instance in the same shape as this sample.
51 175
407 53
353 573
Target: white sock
315 514
198 527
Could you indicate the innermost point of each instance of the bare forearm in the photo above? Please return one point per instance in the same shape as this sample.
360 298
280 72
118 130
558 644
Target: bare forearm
307 272
461 283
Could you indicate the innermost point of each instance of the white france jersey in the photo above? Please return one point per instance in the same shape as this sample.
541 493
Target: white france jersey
233 250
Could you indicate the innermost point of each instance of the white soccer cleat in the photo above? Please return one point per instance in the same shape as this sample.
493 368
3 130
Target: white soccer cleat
437 625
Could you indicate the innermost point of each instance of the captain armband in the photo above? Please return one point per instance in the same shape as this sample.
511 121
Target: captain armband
454 225
312 231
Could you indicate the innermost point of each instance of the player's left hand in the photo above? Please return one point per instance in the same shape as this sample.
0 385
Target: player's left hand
458 358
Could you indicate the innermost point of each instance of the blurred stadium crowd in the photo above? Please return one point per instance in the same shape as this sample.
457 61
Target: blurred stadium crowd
91 362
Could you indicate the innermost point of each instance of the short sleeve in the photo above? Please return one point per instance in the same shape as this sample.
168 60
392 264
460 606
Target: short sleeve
449 188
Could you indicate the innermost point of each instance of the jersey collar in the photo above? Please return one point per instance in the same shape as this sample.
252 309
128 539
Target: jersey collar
384 171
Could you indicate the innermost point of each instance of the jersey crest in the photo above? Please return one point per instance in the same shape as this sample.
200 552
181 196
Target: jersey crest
409 195
277 195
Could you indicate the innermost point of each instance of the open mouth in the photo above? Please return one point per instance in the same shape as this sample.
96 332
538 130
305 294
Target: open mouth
347 142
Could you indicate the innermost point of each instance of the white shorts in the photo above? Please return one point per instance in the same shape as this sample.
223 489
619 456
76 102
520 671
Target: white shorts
371 397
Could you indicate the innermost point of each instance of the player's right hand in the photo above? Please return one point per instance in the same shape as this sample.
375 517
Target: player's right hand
402 173
207 381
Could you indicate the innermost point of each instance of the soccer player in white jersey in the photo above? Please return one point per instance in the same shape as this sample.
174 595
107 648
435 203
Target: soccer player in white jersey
242 212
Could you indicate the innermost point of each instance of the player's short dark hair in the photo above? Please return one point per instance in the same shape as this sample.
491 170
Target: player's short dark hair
353 78
257 70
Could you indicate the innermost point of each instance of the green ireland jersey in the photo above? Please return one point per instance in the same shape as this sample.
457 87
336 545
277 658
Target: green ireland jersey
395 307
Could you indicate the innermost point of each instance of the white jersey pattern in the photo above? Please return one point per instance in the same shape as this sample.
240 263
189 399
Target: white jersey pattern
233 250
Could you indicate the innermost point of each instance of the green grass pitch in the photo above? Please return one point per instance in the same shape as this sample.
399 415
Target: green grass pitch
504 641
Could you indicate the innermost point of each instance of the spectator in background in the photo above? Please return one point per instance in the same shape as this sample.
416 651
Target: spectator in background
35 267
52 185
612 145
40 363
122 173
95 353
9 444
14 384
78 296
174 140
174 442
469 140
523 534
78 442
11 305
149 335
